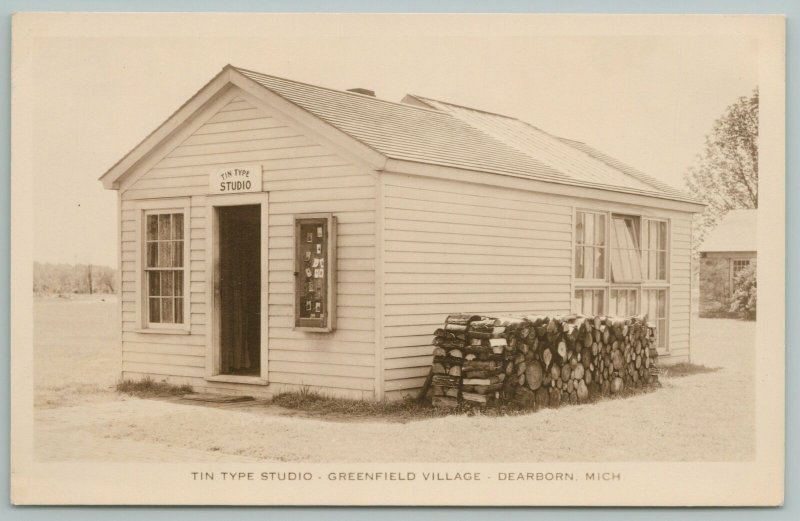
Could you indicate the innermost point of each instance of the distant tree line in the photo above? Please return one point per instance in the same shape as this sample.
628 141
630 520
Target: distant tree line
51 278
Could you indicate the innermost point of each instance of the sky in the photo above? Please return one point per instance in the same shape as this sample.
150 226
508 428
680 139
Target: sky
645 91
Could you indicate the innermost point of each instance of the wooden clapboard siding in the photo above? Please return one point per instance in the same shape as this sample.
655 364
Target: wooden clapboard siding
453 247
680 290
302 175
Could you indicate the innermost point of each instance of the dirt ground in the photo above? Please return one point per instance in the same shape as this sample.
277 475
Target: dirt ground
703 417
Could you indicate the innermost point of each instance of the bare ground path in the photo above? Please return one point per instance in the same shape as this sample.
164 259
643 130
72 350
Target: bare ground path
704 417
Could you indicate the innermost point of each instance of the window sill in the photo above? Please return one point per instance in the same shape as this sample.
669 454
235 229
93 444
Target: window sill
235 379
155 331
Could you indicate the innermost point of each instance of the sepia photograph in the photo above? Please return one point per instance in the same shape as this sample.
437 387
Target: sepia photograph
397 259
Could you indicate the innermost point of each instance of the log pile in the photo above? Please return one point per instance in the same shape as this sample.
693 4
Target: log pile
538 361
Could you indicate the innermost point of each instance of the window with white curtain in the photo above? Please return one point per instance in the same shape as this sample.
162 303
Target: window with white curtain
164 267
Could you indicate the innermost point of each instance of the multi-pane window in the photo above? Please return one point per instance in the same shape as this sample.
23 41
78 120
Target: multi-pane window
654 305
623 302
739 265
590 245
654 250
625 253
589 301
621 267
164 267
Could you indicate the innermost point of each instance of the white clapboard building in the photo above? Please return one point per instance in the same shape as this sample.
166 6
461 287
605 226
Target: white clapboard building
276 235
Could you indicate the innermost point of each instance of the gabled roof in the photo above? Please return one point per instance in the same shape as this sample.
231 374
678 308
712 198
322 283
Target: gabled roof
736 232
442 134
580 162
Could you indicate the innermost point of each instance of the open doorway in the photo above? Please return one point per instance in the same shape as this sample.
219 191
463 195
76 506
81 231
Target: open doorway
240 289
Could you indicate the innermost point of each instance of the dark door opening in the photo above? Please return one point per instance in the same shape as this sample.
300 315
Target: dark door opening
240 289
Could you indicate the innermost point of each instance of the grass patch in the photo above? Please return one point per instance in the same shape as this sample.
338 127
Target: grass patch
685 369
149 388
317 404
314 403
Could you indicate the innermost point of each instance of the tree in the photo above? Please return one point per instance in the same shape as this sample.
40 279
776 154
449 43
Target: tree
726 176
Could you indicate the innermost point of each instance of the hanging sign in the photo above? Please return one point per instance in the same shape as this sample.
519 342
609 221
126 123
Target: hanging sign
235 179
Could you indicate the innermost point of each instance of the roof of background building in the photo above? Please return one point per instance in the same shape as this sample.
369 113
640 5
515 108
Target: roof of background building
444 134
736 232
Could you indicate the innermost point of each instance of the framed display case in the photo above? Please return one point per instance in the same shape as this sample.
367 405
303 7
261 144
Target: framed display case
315 272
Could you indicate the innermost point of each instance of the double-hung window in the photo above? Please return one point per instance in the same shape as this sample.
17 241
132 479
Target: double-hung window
164 270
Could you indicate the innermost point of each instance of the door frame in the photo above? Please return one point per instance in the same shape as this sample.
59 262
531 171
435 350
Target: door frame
213 203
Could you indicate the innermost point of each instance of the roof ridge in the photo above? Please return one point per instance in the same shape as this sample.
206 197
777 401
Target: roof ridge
331 89
424 98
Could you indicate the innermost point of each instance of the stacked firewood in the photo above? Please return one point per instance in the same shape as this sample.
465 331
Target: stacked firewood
448 359
484 362
537 361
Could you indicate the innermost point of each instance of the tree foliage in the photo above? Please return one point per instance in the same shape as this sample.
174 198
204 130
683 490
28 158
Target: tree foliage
744 298
726 175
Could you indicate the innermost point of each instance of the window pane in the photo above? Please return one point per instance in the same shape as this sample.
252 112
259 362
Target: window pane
600 229
152 227
598 307
662 304
661 331
164 254
616 261
178 282
662 236
589 222
579 235
163 226
646 235
154 283
588 262
177 226
177 254
630 226
632 301
636 265
155 310
653 305
179 311
166 284
577 301
617 306
579 273
600 263
662 265
152 254
167 311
